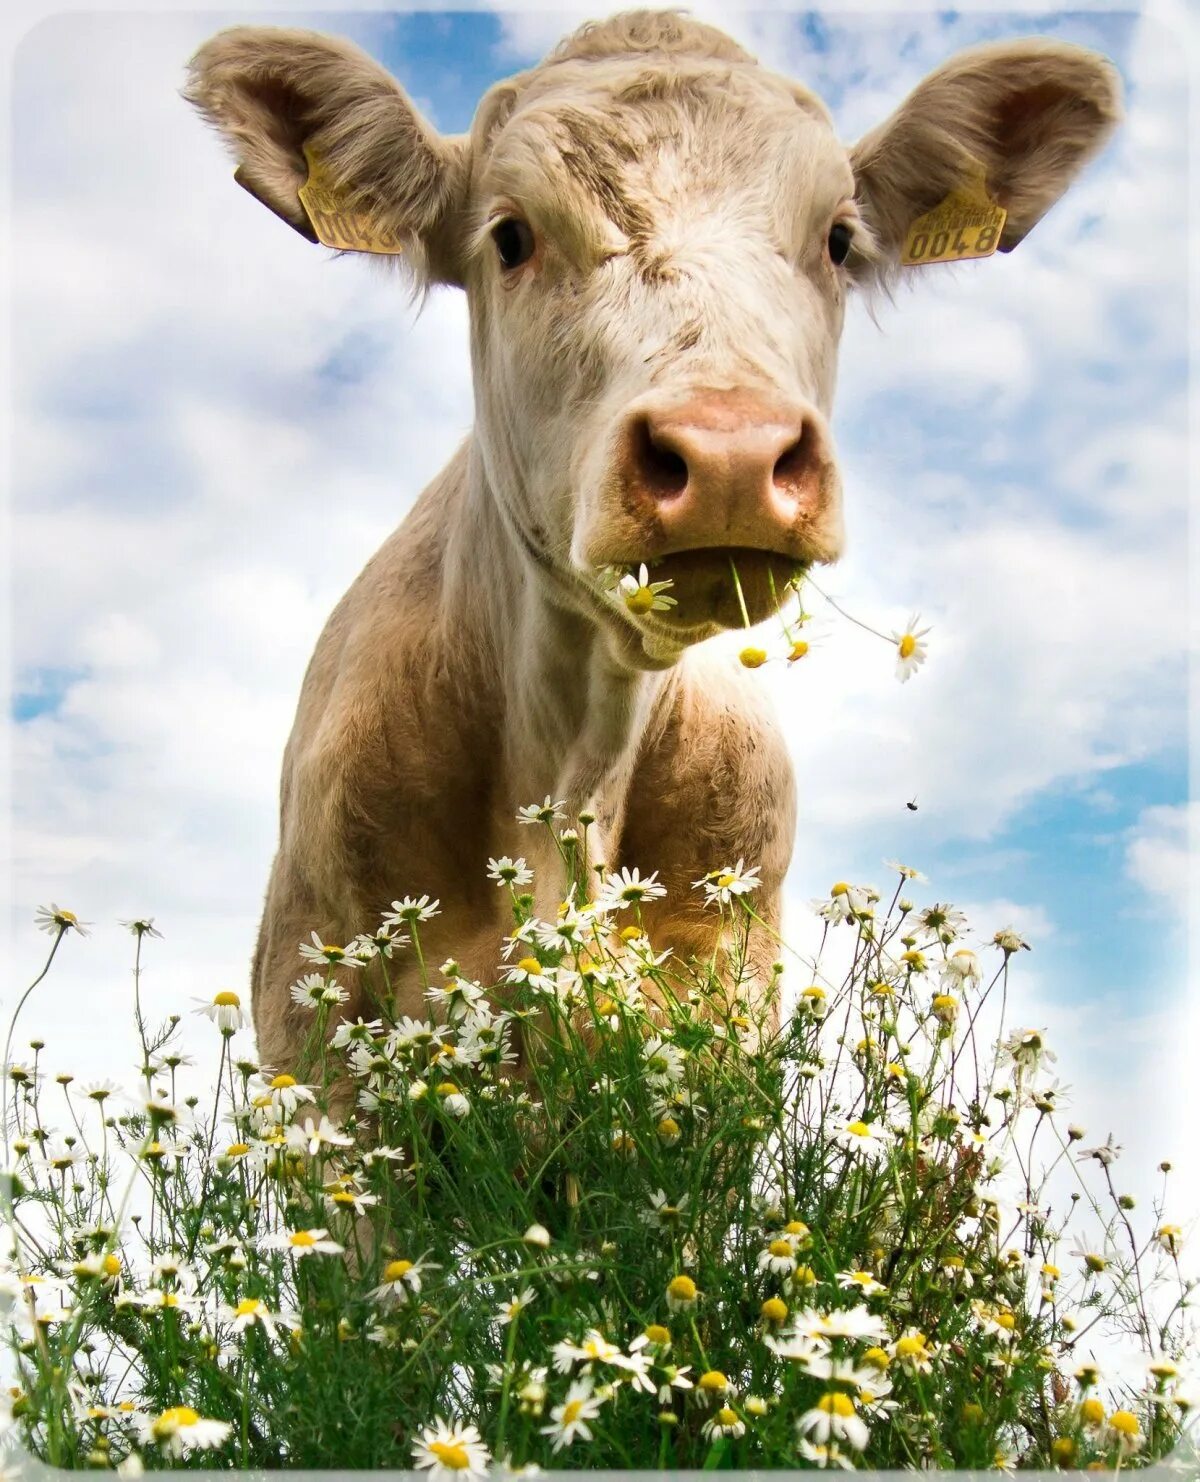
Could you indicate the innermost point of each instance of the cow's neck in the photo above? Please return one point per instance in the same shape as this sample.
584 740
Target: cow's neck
575 711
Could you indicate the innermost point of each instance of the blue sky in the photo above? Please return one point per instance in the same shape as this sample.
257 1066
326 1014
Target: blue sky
218 425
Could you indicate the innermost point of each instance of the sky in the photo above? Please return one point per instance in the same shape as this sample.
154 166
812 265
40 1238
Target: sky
215 425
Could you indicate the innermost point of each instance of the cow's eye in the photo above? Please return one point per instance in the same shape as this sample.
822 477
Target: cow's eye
514 242
840 238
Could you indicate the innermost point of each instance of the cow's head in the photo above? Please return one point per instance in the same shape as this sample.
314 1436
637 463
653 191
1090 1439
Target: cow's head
657 238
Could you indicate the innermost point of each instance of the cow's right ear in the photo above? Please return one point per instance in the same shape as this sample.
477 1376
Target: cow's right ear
300 110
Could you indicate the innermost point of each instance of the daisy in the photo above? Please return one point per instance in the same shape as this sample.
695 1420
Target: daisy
642 595
662 1212
313 1136
248 1312
509 1311
451 1453
835 1417
412 910
663 1062
506 871
283 1093
402 1280
530 970
720 886
859 1137
356 1031
779 1257
914 1351
846 902
960 969
225 1011
570 1419
1026 1048
302 1243
860 1281
313 992
181 1429
848 1322
825 1456
57 921
547 812
726 1422
628 888
910 651
327 953
141 926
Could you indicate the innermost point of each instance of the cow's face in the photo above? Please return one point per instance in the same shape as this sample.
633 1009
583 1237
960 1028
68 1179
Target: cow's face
657 238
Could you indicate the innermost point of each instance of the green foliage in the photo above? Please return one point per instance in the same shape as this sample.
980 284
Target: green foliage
605 1214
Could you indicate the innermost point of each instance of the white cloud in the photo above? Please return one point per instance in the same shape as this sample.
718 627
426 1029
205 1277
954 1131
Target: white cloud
1158 855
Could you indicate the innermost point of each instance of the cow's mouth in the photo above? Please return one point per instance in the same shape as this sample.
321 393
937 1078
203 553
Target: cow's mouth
724 586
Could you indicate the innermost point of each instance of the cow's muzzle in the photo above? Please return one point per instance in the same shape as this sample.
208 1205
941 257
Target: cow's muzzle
716 482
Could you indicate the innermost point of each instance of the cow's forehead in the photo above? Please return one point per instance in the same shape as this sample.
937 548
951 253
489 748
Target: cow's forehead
659 126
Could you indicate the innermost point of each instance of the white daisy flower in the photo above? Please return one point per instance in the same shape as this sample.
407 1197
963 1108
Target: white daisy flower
641 595
911 652
225 1011
57 921
547 812
412 910
313 992
507 871
720 886
451 1453
401 1280
181 1429
835 1417
302 1243
629 888
570 1419
327 953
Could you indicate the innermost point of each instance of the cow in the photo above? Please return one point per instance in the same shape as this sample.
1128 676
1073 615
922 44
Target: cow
657 237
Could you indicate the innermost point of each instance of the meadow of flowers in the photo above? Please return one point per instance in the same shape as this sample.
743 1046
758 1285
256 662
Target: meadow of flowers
614 1209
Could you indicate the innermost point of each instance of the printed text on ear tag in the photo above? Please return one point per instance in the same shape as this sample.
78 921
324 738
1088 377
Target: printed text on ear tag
966 224
335 226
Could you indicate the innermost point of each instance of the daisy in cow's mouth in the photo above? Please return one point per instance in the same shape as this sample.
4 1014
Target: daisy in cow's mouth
641 596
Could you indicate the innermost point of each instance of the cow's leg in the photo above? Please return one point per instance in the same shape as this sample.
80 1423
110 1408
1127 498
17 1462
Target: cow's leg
713 785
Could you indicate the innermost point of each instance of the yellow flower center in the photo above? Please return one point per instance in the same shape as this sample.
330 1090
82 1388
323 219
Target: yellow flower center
804 1276
907 644
451 1454
859 1129
447 1088
841 888
248 1307
282 1082
780 1248
174 1419
1006 1320
640 601
726 1416
836 1404
795 1227
111 1264
753 658
799 649
656 1333
877 1357
912 1345
724 881
682 1288
302 1238
1124 1422
668 1127
774 1309
227 1000
530 965
397 1270
1091 1412
237 1149
714 1381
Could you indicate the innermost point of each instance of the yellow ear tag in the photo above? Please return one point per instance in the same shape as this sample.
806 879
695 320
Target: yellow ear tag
966 224
335 226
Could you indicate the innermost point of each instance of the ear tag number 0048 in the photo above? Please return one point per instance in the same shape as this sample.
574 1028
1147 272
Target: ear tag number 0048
335 226
967 224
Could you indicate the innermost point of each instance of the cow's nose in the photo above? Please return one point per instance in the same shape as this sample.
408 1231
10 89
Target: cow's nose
717 467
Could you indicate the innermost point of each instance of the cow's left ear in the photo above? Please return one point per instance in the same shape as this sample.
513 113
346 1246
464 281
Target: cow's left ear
1030 112
327 139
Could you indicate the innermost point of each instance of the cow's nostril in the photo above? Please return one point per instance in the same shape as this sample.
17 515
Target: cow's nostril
793 467
663 471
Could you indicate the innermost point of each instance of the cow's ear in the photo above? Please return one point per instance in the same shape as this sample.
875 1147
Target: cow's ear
1026 114
328 140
